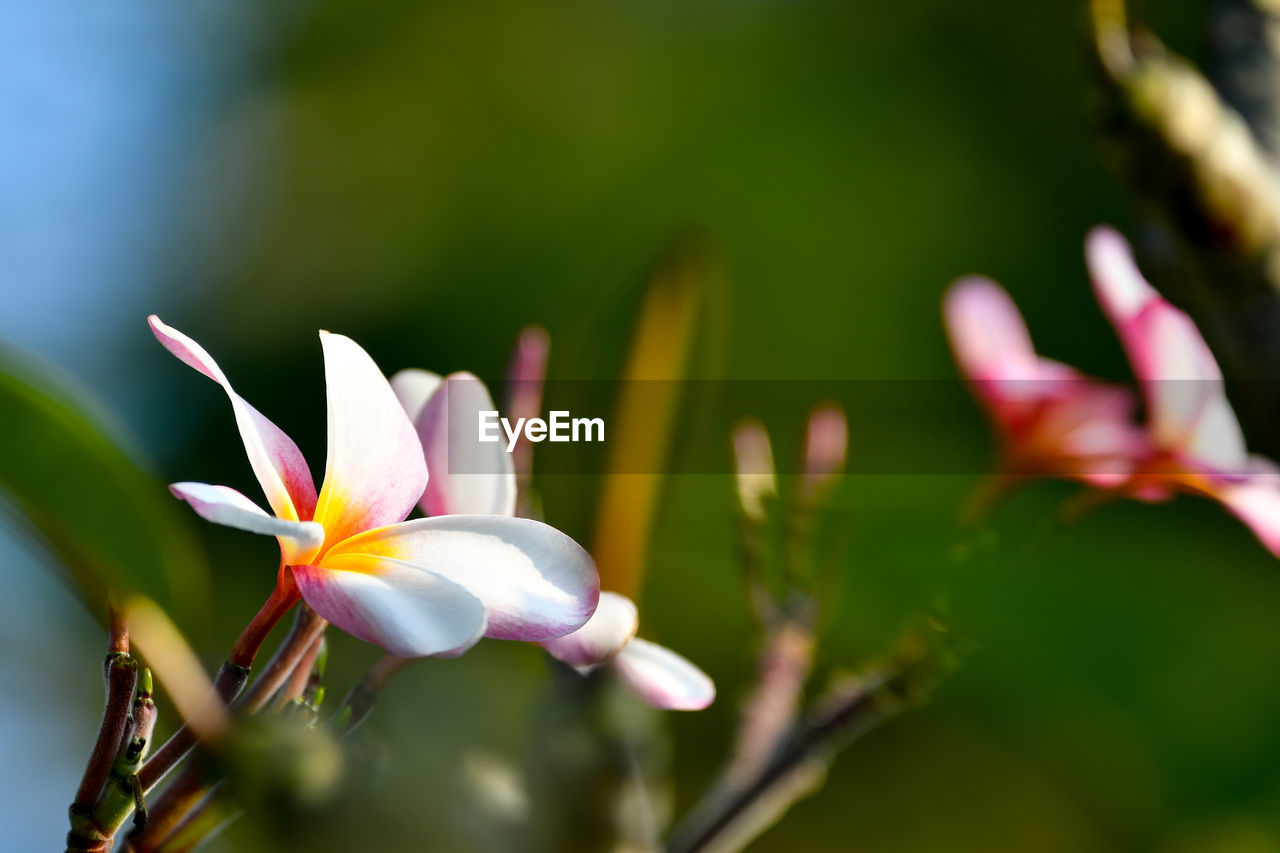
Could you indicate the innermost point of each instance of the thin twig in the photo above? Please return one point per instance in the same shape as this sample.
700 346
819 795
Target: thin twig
871 703
226 686
122 675
300 677
360 701
230 680
307 627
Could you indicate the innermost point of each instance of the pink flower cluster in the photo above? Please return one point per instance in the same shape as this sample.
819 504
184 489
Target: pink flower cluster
1053 421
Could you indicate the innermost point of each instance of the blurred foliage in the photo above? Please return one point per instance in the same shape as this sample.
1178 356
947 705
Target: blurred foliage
106 521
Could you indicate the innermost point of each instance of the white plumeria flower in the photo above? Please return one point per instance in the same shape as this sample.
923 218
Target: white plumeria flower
431 586
469 476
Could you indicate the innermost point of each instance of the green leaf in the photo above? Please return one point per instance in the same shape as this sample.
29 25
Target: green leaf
98 513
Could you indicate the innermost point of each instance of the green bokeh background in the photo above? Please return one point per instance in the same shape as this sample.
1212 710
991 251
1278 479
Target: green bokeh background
428 178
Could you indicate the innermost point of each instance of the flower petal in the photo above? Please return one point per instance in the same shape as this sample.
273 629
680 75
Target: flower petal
987 333
413 388
606 632
1180 379
375 472
223 505
1188 404
468 476
662 678
536 583
409 611
1256 502
1118 284
275 459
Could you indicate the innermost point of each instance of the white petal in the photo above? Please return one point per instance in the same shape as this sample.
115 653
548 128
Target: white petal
662 678
468 476
536 583
1256 502
406 610
275 459
606 632
375 472
413 388
223 505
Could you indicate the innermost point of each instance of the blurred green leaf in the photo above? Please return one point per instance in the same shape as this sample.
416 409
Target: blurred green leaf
80 495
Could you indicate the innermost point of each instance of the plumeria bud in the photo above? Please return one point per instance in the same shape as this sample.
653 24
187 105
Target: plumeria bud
144 720
322 659
826 444
525 377
527 372
753 460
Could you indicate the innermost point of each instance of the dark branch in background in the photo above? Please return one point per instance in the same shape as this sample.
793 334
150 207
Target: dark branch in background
731 816
1202 161
1244 63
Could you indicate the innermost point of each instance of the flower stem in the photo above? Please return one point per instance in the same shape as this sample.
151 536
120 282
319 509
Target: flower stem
307 628
230 680
355 709
173 806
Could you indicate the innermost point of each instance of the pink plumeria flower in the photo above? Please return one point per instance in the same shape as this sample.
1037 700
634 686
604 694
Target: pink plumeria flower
478 477
1051 420
1196 444
430 586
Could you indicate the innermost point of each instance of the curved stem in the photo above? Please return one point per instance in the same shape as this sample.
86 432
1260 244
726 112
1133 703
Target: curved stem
307 628
173 806
122 677
230 680
360 701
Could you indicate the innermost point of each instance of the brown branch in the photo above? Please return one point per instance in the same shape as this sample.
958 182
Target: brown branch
226 686
865 707
300 678
849 710
307 627
229 681
171 809
122 676
360 701
173 805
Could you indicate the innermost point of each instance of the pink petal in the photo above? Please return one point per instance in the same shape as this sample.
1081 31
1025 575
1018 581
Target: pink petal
535 582
1117 282
413 387
375 472
226 506
1188 404
468 476
1257 503
275 459
1180 378
606 632
406 610
987 333
662 678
